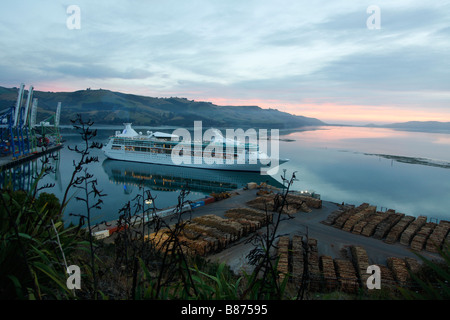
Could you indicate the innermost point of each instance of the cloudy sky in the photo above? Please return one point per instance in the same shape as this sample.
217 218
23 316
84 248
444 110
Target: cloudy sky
313 58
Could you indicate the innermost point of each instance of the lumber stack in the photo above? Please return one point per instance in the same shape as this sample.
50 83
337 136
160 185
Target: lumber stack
313 264
412 229
437 237
399 270
361 214
292 205
340 221
419 240
385 226
309 201
396 231
359 226
346 274
297 258
332 217
387 278
412 264
371 225
250 219
328 272
233 228
361 262
283 253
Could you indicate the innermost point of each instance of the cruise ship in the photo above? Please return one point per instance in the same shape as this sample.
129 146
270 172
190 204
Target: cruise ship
160 148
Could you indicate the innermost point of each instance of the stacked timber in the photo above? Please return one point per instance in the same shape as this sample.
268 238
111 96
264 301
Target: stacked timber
399 270
361 262
359 226
370 227
387 278
347 276
193 230
340 221
297 258
419 240
333 216
437 237
313 264
233 228
250 219
385 226
293 203
412 229
309 201
352 220
328 272
283 254
164 241
412 264
394 235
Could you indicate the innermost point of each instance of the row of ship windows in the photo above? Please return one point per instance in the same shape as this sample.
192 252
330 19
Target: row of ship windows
168 151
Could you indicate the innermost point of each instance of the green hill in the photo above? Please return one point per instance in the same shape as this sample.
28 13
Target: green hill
108 107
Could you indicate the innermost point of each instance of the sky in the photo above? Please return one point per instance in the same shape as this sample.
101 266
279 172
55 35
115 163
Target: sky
341 61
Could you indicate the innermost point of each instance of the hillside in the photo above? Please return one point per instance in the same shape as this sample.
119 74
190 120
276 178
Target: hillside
108 107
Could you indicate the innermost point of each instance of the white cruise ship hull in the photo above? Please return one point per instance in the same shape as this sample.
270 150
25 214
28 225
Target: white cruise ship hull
166 159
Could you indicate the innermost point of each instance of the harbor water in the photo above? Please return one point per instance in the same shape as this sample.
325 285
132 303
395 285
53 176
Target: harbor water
405 171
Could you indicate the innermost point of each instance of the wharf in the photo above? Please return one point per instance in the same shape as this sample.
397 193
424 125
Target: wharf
10 162
332 241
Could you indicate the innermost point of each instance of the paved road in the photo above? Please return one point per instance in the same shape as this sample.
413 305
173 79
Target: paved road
331 241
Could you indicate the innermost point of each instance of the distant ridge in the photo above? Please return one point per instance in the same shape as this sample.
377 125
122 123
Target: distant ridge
108 107
423 126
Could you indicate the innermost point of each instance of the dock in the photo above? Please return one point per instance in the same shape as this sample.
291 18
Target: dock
9 161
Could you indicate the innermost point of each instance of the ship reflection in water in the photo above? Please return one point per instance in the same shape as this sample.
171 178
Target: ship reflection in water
172 178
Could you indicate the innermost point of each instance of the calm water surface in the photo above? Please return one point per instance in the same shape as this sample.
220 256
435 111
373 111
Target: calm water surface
333 161
342 164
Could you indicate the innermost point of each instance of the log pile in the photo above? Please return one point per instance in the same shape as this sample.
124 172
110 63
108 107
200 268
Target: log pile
361 262
387 278
370 227
190 243
419 240
292 205
233 228
399 270
297 258
251 219
437 237
313 264
412 264
351 221
385 226
340 221
396 231
333 216
283 253
412 229
210 233
309 201
359 226
328 272
347 276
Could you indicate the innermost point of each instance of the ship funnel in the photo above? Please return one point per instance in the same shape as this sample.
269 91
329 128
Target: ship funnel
128 131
